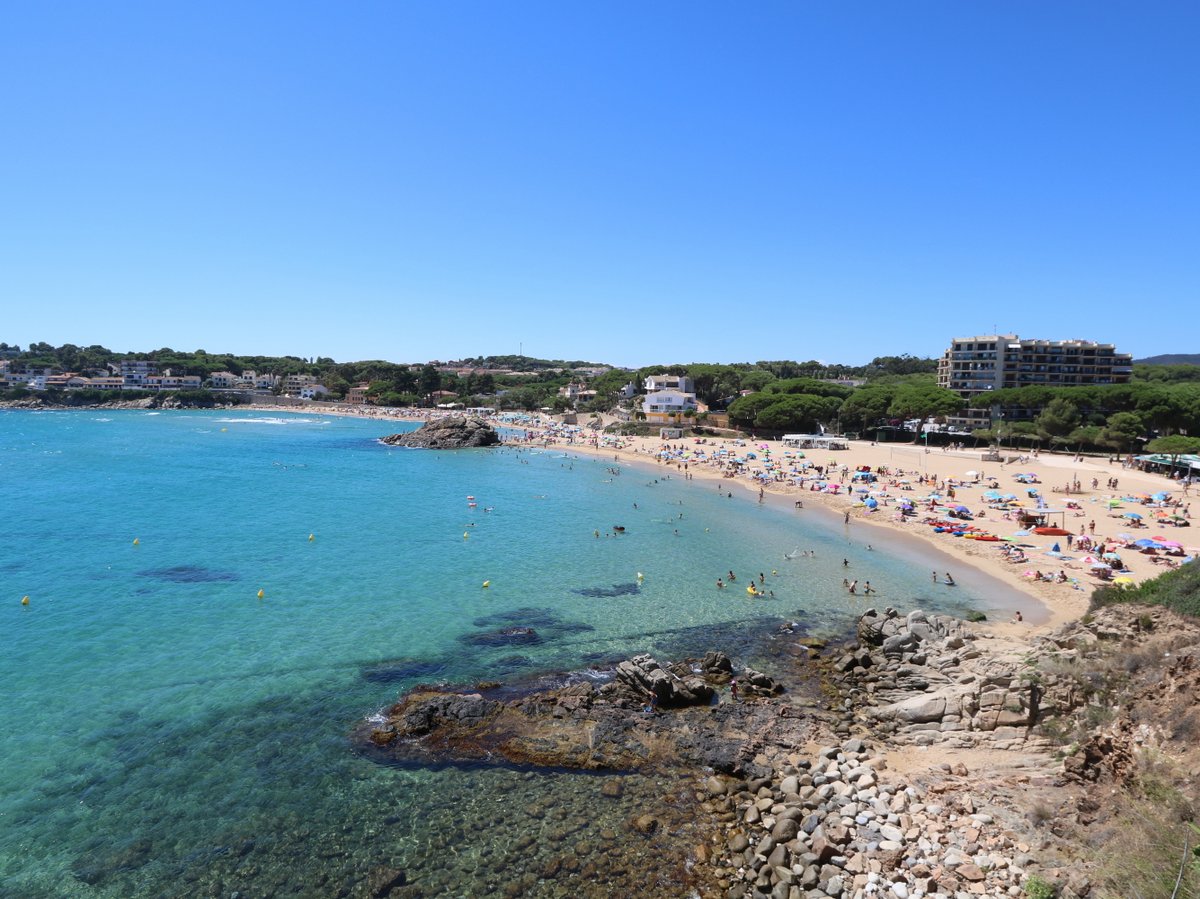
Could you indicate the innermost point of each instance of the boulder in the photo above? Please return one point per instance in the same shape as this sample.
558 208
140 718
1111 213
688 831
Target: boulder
455 432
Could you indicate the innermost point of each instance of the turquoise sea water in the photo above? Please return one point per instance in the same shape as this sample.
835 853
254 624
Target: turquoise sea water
167 732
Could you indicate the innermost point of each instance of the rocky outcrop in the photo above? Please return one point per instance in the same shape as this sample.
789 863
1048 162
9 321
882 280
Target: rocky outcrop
645 715
456 432
834 824
922 679
925 679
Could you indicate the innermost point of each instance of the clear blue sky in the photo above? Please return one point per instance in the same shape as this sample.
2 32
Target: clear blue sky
624 182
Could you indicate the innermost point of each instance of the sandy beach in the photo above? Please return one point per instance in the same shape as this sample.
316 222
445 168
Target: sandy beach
1053 602
1062 601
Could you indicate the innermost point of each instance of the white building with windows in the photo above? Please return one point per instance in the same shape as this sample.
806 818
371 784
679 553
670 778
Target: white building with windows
664 405
975 365
681 383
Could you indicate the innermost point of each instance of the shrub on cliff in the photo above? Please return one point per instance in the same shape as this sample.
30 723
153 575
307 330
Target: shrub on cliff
1178 590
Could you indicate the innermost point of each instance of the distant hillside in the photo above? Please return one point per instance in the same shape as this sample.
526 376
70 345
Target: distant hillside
1170 359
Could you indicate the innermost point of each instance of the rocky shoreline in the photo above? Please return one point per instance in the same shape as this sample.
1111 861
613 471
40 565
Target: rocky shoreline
927 766
168 401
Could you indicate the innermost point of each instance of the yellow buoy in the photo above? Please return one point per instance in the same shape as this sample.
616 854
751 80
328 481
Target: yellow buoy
641 576
487 583
311 538
774 573
136 541
24 600
223 430
262 593
466 535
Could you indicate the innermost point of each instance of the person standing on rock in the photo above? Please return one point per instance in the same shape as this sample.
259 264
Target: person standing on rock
733 689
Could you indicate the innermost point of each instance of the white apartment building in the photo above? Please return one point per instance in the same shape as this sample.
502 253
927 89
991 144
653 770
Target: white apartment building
975 365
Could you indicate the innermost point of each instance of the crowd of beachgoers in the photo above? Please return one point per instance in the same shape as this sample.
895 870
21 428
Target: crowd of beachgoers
1053 525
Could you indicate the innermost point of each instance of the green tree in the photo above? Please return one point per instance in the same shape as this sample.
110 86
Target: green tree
797 412
1122 431
923 401
1058 419
429 381
811 386
1174 446
744 411
866 407
756 379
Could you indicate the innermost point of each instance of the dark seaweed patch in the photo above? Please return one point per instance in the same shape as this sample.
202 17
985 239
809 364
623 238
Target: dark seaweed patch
506 636
396 670
608 592
189 574
526 616
509 665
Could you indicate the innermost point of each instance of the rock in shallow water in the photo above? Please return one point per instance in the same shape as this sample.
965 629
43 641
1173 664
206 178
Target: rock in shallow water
456 432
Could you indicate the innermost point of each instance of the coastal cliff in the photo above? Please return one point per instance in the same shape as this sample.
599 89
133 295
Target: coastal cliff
458 432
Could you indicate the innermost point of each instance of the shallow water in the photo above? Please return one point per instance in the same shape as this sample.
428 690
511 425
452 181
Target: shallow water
168 732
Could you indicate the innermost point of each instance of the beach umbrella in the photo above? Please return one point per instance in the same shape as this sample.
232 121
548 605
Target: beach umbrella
1131 515
872 503
1160 497
1144 543
1113 503
1111 556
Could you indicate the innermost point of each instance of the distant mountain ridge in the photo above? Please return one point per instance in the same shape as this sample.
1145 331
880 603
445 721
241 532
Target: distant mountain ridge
1170 359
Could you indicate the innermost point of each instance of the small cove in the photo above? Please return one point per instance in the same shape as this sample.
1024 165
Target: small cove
171 733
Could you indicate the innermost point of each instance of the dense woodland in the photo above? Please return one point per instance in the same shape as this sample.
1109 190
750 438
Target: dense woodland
767 396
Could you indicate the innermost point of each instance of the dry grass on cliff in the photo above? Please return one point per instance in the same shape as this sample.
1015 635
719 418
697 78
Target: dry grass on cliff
1148 849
